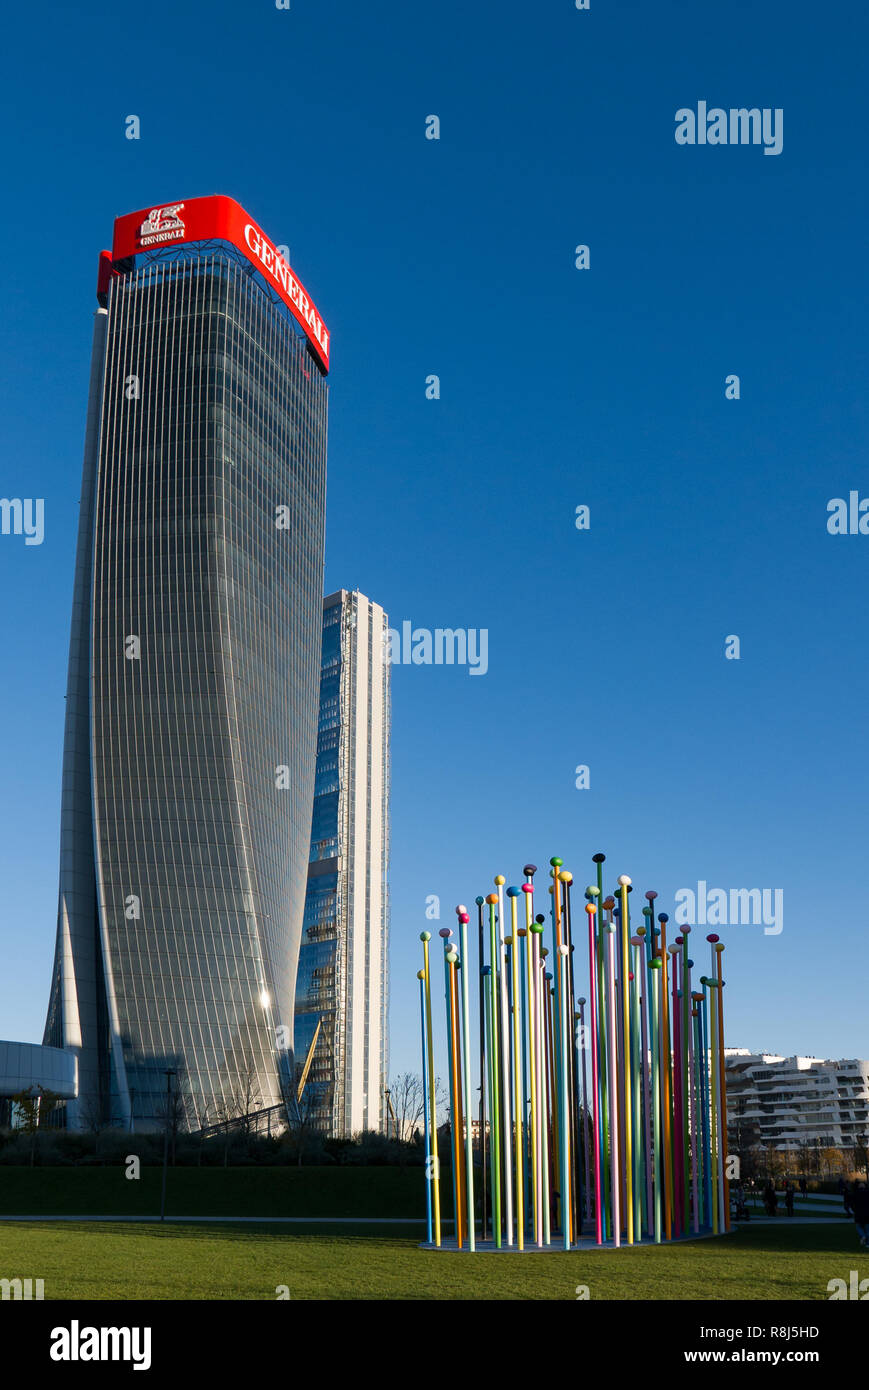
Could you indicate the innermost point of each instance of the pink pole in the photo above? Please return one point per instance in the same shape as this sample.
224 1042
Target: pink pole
677 1095
643 975
590 909
692 1095
615 1165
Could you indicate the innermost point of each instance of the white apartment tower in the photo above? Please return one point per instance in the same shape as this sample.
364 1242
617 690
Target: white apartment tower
790 1102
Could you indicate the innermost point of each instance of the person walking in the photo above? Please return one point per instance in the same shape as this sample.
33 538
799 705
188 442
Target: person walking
804 1187
789 1199
860 1207
770 1201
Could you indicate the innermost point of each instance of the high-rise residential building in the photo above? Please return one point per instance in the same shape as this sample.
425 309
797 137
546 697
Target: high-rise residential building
191 708
793 1102
343 981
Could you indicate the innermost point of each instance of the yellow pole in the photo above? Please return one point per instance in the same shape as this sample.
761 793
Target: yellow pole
425 937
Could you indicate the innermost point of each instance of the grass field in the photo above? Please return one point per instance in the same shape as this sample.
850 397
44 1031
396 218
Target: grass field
120 1261
334 1261
279 1191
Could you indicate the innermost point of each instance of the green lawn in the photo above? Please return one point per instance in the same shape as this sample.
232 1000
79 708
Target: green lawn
279 1191
120 1261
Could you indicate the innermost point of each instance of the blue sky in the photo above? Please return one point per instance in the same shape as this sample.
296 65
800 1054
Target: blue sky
559 387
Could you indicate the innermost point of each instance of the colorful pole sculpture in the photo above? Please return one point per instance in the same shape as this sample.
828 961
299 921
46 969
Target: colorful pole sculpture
636 1145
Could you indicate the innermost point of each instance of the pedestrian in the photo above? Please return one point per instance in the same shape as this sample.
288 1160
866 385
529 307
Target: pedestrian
770 1201
804 1187
846 1199
789 1199
860 1204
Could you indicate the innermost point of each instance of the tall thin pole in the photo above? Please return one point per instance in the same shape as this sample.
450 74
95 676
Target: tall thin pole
482 1005
624 884
466 1030
713 1073
667 1146
518 1139
685 1038
531 1028
494 1093
428 1207
613 1081
500 880
434 1176
450 957
586 1140
591 909
654 991
577 1185
602 1100
722 1087
678 1158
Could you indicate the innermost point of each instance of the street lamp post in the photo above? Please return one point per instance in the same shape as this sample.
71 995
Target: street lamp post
169 1075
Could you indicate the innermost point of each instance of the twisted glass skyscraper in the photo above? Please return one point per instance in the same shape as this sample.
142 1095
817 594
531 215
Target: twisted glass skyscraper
192 700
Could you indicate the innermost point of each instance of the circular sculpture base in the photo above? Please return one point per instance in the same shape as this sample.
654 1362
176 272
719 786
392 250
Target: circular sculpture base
587 1245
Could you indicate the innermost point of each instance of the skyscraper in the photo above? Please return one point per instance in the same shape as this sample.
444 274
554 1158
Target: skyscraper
190 736
343 981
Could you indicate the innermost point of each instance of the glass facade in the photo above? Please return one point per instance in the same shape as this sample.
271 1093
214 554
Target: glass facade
203 605
343 970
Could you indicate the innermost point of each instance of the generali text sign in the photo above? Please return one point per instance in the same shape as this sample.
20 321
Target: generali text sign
202 219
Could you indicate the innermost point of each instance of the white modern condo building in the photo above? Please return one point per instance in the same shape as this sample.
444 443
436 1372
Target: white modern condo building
793 1101
343 979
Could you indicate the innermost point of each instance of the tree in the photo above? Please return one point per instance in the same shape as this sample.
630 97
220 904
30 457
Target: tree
234 1111
408 1102
34 1107
202 1113
831 1159
172 1109
303 1113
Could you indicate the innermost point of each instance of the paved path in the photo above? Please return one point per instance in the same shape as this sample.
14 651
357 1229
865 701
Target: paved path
792 1221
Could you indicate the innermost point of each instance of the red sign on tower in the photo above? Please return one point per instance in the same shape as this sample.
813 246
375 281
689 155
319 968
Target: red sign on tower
221 218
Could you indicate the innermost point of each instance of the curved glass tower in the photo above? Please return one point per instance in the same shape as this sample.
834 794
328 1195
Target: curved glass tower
192 702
